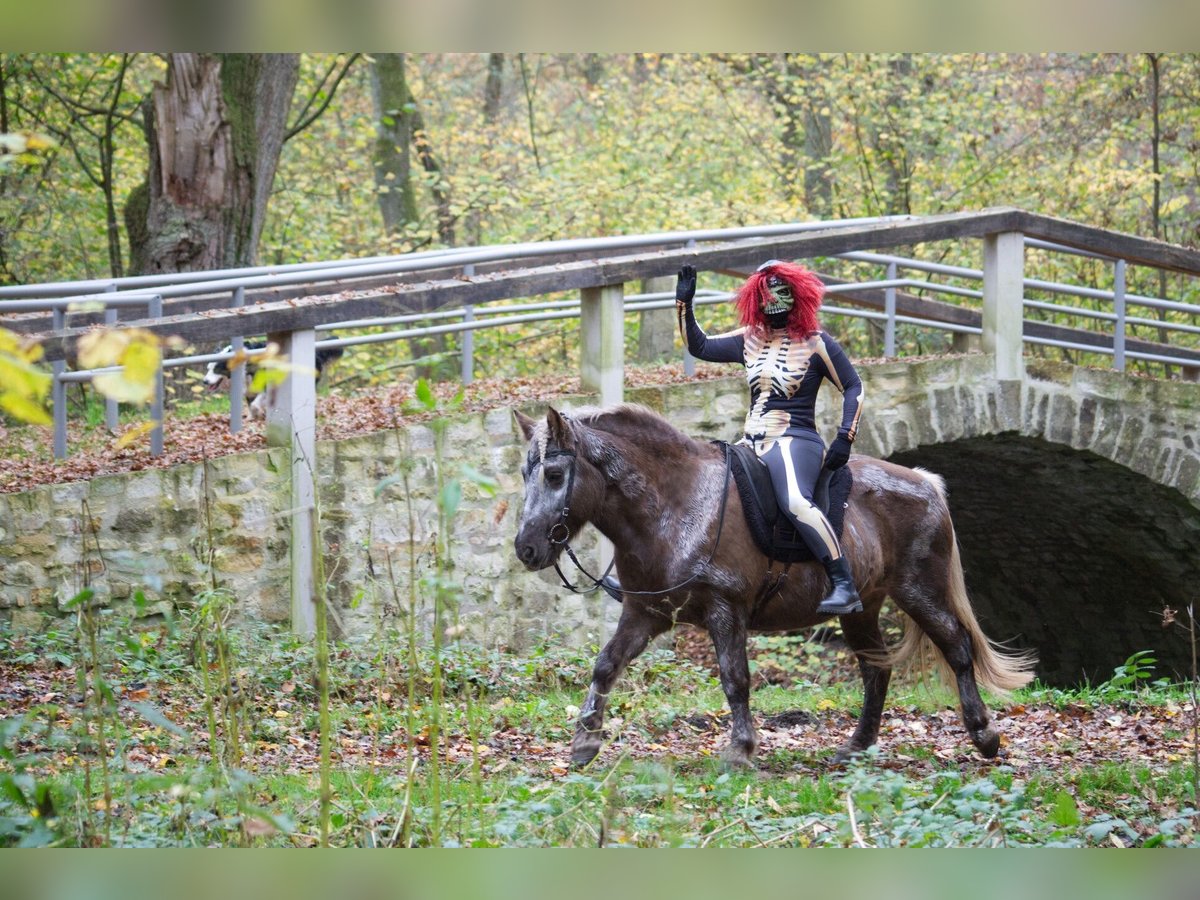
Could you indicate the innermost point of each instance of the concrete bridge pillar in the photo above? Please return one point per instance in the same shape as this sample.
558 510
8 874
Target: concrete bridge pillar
1003 302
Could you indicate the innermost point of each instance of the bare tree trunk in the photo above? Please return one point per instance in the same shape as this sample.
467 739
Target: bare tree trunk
1156 208
818 145
215 130
593 69
393 164
897 157
641 70
494 89
400 129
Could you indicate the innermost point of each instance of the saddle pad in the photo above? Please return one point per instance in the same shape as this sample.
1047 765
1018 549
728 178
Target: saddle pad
772 531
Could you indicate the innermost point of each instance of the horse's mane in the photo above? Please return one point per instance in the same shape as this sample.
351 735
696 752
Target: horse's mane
627 441
632 421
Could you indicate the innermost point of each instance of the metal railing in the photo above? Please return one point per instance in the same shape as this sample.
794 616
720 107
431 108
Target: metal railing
60 299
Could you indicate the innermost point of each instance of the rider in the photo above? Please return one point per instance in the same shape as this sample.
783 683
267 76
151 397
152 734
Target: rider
786 354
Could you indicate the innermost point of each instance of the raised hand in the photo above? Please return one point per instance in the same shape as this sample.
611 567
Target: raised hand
685 287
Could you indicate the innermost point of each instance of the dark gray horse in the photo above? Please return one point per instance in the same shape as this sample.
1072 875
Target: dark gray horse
658 495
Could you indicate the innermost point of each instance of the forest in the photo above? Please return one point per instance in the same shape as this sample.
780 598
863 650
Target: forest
134 723
352 155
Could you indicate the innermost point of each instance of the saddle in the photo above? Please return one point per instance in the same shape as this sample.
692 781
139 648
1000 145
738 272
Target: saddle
772 531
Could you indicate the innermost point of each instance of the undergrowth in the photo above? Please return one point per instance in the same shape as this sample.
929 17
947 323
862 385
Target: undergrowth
195 750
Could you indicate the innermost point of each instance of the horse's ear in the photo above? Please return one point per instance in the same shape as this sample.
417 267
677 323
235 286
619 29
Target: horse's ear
525 422
559 430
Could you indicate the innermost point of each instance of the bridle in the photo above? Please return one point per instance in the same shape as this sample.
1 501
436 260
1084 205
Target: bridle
559 534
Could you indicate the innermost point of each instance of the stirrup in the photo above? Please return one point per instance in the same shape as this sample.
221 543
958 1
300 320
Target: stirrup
840 609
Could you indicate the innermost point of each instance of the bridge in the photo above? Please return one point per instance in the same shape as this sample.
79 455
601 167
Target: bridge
1075 490
1075 494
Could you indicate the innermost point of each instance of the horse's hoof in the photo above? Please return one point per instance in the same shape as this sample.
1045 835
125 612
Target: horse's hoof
845 754
736 758
581 759
584 753
988 742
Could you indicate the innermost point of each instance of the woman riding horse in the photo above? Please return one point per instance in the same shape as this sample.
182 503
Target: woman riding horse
786 355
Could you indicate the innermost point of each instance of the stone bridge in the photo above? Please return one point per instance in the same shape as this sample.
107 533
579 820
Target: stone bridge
1075 494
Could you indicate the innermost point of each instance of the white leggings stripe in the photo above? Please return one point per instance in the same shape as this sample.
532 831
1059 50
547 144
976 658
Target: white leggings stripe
805 512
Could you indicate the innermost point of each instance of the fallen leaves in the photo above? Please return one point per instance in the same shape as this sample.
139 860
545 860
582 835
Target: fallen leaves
23 451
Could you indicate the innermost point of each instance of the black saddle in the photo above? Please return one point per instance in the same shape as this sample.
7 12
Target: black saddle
773 532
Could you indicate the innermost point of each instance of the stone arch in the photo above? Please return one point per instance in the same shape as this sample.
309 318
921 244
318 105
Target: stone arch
1069 553
1076 496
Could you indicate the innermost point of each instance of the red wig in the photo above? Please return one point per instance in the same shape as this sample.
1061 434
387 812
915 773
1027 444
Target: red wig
807 290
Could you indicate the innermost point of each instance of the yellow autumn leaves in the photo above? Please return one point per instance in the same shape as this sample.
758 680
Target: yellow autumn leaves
24 386
136 349
22 147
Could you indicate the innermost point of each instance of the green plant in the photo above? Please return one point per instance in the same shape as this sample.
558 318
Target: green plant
29 808
1131 675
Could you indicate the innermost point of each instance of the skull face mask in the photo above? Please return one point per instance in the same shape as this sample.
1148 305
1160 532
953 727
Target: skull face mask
777 308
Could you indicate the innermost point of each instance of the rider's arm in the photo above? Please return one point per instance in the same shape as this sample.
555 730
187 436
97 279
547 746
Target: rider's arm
726 347
842 373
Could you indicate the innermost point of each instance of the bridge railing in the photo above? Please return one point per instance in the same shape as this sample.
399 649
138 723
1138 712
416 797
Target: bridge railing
293 306
184 293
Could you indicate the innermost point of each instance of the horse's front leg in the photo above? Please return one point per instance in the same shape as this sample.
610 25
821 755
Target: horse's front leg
728 632
634 631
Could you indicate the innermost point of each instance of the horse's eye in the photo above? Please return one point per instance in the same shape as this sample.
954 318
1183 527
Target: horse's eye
554 477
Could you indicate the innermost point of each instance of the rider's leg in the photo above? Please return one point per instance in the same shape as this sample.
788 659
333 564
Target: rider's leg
794 464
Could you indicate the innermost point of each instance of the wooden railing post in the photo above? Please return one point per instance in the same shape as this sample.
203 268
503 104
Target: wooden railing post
237 374
656 331
292 423
602 369
1003 302
602 322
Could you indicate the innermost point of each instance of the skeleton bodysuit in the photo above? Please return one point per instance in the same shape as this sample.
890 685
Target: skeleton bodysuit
785 376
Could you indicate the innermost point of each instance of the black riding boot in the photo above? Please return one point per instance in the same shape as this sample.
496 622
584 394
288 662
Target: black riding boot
612 587
843 599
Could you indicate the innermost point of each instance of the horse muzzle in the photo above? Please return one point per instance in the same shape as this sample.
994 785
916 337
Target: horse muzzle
536 552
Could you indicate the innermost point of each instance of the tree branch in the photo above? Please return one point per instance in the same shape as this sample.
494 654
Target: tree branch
305 122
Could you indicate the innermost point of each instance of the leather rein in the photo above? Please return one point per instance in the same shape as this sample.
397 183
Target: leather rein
559 534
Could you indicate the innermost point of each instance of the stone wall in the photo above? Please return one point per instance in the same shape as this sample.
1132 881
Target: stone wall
151 530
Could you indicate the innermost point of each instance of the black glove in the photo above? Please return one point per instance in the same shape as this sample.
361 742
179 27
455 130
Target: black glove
838 453
685 287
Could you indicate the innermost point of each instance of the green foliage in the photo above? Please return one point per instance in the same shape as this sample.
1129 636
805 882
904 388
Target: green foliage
1131 675
482 800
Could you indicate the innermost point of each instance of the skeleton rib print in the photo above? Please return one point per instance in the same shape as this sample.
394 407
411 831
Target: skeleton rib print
775 370
784 375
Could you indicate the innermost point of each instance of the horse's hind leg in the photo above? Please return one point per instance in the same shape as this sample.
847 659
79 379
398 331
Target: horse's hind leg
952 639
866 640
728 633
634 631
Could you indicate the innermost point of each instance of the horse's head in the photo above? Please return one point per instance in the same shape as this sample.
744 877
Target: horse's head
559 489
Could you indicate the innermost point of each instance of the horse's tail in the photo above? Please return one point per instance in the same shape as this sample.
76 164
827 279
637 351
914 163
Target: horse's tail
998 669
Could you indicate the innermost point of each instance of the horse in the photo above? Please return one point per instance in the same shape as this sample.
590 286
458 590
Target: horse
684 555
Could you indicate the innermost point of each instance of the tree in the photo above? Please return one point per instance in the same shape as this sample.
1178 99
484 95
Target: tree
400 125
96 104
214 131
494 88
394 132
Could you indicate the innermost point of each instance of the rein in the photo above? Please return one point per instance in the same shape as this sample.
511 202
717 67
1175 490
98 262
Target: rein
597 582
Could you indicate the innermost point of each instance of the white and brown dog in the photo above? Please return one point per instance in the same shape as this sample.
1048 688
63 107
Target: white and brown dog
216 377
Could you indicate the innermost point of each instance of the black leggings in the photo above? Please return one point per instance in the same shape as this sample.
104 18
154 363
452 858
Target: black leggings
794 464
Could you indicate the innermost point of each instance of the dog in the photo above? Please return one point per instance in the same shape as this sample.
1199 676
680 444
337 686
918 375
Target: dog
216 376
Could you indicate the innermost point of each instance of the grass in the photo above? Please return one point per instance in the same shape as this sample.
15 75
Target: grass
505 723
